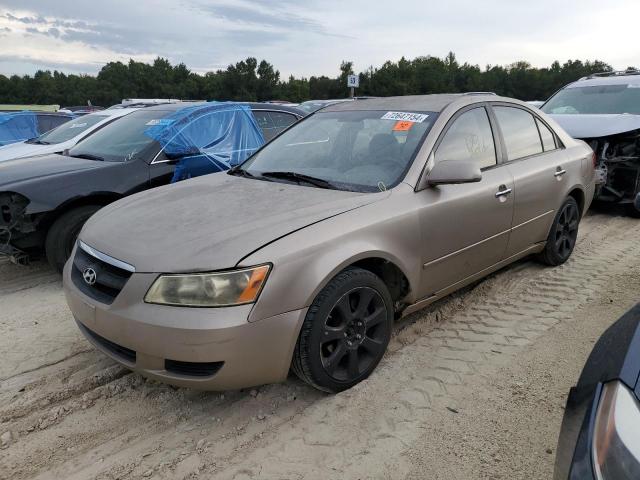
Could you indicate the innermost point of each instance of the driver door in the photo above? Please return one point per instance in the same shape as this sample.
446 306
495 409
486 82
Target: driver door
465 228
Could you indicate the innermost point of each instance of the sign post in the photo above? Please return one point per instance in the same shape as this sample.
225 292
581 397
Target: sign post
353 82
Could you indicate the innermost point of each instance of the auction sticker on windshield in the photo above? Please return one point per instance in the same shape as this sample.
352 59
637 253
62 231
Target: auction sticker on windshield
405 116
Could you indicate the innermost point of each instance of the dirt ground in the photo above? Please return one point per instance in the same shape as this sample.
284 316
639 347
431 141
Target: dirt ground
473 387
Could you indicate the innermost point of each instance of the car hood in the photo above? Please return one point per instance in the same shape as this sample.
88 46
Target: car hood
210 222
594 126
15 172
24 149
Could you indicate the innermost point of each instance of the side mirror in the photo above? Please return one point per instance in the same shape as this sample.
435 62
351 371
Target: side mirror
454 172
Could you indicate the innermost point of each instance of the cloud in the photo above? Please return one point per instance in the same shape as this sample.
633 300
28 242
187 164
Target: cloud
311 37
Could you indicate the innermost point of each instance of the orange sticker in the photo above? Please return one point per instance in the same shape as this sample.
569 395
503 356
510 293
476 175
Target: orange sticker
402 126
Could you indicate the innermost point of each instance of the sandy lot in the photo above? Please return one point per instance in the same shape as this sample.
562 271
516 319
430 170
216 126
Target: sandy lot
471 388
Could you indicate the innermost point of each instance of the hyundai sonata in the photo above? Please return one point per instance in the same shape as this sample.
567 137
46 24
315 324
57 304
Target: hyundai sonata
305 255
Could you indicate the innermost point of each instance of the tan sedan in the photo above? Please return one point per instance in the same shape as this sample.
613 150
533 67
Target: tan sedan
304 256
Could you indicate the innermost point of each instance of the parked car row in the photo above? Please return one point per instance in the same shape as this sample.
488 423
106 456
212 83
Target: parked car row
45 200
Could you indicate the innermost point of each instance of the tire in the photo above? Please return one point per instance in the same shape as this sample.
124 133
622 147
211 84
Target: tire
345 332
63 233
563 234
633 210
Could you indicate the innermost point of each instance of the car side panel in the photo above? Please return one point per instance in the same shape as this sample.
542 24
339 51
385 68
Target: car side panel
540 190
464 229
387 229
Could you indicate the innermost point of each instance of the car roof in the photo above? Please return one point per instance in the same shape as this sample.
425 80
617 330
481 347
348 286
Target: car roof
116 112
422 103
614 79
175 106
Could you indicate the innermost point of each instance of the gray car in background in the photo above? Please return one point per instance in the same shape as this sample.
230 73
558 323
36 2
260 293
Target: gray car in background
306 254
603 109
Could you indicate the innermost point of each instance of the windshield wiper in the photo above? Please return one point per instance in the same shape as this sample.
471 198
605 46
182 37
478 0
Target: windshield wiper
301 177
35 141
240 172
88 156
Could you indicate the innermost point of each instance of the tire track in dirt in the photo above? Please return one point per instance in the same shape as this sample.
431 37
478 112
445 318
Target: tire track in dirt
84 417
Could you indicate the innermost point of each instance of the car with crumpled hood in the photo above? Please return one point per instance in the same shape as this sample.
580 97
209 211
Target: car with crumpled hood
45 200
604 110
305 255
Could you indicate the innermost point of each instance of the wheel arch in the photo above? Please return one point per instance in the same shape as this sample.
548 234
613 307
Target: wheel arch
98 198
579 196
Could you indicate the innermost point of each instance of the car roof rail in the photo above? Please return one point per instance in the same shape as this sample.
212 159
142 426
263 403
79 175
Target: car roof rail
480 93
612 73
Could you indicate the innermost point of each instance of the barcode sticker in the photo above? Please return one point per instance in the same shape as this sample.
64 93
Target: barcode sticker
406 116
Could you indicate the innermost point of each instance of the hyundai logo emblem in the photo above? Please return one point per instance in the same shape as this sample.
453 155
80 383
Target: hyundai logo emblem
89 275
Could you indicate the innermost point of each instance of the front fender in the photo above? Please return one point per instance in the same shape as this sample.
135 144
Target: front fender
305 261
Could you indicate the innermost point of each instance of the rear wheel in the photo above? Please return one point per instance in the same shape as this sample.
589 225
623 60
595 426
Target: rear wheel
563 234
63 233
346 331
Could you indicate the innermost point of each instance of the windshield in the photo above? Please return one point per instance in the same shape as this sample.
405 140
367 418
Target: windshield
352 150
601 99
70 129
123 140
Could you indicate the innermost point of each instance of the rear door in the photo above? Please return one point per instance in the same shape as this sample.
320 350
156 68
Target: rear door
465 228
538 164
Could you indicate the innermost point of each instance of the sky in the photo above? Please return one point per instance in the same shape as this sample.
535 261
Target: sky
312 37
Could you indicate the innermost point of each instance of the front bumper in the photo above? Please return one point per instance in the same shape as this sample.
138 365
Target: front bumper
152 339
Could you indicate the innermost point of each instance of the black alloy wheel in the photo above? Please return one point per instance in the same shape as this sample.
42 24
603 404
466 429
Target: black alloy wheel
345 332
354 334
567 231
563 235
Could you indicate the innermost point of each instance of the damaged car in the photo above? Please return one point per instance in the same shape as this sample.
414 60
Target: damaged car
604 110
45 200
305 255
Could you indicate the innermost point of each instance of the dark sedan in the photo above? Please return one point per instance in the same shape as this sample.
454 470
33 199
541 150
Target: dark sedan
600 435
44 201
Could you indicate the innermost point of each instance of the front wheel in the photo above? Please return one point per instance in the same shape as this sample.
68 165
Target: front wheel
345 333
564 232
63 233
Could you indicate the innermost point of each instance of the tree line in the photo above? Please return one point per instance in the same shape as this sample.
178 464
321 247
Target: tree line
250 80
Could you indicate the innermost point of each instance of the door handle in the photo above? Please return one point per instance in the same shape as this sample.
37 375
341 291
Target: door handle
559 172
504 191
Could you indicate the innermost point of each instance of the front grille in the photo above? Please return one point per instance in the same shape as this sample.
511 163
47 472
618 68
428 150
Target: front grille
118 350
193 369
110 280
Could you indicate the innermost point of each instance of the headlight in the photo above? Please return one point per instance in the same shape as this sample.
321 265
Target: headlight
220 289
616 439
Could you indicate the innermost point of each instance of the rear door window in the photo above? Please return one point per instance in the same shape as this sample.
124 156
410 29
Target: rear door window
469 138
520 132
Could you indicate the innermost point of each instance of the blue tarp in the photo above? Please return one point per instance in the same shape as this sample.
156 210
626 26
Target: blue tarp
17 127
207 138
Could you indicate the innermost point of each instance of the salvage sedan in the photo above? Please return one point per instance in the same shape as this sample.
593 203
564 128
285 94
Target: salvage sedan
600 435
604 111
305 255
